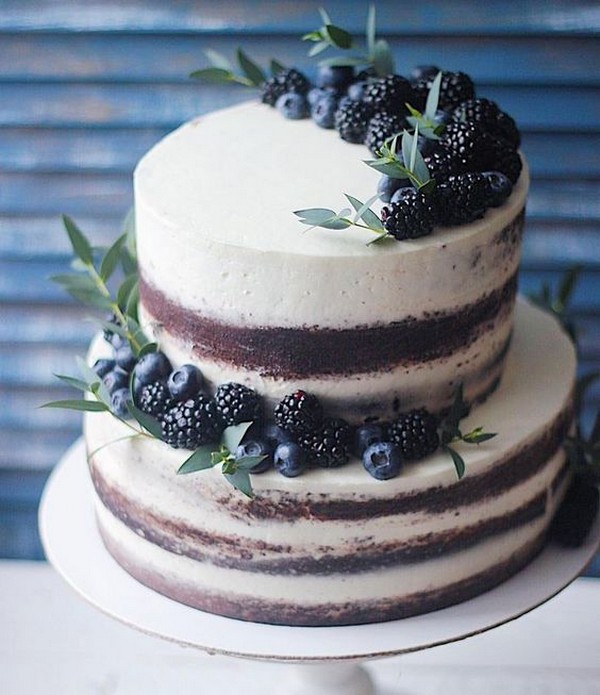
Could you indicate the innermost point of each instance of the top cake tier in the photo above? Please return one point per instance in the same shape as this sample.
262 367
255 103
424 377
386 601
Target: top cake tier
231 281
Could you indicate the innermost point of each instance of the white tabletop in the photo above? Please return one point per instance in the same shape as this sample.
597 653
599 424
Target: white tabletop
54 643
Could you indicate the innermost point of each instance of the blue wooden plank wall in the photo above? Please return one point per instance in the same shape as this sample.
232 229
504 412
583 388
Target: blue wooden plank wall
87 86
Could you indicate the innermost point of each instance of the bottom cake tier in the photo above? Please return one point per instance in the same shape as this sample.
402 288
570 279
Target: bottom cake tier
337 547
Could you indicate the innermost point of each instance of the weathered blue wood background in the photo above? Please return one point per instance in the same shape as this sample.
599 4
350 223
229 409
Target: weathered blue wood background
87 87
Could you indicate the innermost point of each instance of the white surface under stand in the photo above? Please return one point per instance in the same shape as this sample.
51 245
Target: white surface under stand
324 661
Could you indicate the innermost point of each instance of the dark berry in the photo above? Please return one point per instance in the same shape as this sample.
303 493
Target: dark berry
192 423
328 446
455 88
125 358
500 156
390 93
387 186
185 382
405 191
576 514
442 163
352 119
153 366
108 331
154 399
299 412
117 341
356 91
118 402
285 81
117 378
469 142
290 459
335 76
323 111
382 460
462 199
103 366
499 187
292 106
415 433
256 447
411 217
237 403
315 94
275 435
381 128
490 117
423 72
367 434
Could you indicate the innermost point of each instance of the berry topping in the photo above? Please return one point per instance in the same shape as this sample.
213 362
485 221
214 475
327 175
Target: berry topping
154 399
499 187
382 127
285 81
125 358
389 93
356 90
299 412
185 382
455 88
382 460
118 402
153 366
290 459
490 117
117 378
275 435
366 435
411 217
415 433
442 163
387 186
335 76
237 403
462 198
352 119
191 423
293 106
256 447
323 111
328 445
103 366
426 72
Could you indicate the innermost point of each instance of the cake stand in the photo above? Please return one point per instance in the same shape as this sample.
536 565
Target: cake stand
323 660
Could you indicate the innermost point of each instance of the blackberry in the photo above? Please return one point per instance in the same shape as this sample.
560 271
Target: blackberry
462 198
155 399
415 433
455 88
411 217
237 403
490 117
442 163
299 413
470 144
382 127
285 81
352 119
192 423
389 94
501 156
328 446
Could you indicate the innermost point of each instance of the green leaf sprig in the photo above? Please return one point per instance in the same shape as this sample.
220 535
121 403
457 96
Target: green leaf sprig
328 35
558 302
246 73
236 470
425 122
450 431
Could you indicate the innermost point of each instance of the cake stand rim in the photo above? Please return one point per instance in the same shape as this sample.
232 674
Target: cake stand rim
69 471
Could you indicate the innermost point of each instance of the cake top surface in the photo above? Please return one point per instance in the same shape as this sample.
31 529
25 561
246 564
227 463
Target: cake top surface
237 175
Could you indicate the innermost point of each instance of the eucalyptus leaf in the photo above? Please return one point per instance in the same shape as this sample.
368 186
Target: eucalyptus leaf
371 29
218 60
148 348
382 58
131 307
433 98
393 169
76 282
218 75
312 36
247 463
250 68
233 435
315 216
124 291
340 60
407 145
364 213
200 460
111 258
419 167
479 437
81 246
318 48
325 18
457 459
95 384
336 223
146 421
276 67
91 298
80 405
380 238
338 37
241 481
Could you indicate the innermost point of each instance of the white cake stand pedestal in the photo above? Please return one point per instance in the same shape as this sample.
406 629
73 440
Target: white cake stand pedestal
323 660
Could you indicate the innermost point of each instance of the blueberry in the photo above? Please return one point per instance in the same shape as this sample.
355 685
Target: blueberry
275 435
117 378
387 186
125 358
356 91
406 191
117 340
290 460
336 76
185 382
118 402
153 366
323 111
499 187
292 105
256 447
382 460
315 94
366 435
103 366
424 72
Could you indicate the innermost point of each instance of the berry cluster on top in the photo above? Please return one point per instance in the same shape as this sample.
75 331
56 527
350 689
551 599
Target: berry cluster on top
296 436
469 146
